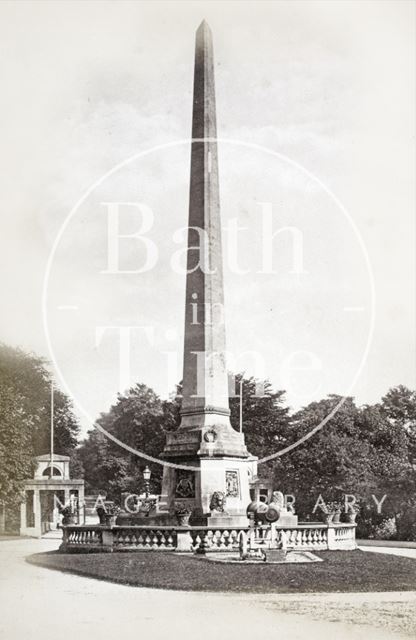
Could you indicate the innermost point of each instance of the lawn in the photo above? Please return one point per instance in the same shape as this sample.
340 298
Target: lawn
341 571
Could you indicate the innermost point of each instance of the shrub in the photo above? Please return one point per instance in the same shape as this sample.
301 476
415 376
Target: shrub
386 530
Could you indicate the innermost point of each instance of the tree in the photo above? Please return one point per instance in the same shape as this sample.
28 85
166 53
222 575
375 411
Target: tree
28 378
25 420
66 426
395 461
357 452
138 419
333 462
106 471
16 447
388 456
399 406
265 419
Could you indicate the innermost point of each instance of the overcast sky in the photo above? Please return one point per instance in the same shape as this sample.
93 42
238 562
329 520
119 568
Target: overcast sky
328 86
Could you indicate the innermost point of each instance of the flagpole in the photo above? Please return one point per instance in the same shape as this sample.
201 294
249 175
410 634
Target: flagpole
51 429
241 405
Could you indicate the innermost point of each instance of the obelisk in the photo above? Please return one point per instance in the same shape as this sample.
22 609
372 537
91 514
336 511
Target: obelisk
205 439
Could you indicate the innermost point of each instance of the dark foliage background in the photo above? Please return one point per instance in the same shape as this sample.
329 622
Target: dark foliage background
364 451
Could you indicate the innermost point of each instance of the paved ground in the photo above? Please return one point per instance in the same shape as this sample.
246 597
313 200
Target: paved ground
37 603
394 551
387 543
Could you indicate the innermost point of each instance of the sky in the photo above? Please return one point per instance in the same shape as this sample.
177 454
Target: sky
315 109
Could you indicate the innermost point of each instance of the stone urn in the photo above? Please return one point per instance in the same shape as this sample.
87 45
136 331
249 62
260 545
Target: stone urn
183 519
107 518
69 519
327 518
336 517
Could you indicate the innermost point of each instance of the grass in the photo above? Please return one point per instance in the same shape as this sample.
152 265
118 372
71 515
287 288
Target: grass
341 571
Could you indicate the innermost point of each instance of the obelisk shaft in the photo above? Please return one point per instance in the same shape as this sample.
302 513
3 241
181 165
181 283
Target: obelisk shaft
205 385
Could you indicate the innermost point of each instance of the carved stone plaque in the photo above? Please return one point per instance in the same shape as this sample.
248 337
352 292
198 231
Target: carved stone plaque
185 484
232 485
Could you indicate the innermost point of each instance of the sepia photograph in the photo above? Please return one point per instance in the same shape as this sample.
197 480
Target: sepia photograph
207 325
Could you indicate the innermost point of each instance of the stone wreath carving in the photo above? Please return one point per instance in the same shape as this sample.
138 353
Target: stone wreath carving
210 436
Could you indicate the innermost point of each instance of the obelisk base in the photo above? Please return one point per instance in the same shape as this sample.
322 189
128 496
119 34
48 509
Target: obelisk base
215 489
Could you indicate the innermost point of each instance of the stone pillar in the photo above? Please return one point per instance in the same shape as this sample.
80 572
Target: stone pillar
2 517
108 540
332 546
184 541
23 516
65 538
37 512
81 504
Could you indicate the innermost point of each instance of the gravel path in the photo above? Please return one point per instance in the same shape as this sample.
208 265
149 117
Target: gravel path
40 604
399 551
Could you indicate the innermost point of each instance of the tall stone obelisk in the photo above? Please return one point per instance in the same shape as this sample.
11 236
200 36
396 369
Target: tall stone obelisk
205 439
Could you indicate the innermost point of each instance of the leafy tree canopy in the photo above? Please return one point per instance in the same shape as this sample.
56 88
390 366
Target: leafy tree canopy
25 418
140 420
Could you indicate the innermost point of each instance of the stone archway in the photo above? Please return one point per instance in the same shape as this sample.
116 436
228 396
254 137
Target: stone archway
55 472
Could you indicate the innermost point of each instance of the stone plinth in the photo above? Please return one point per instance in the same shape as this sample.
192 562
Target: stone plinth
287 519
194 486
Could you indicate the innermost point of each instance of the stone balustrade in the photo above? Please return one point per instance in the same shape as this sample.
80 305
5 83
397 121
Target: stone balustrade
215 539
303 537
83 536
144 538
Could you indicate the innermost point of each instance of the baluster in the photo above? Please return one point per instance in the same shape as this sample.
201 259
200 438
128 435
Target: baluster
221 540
217 539
303 538
225 539
210 539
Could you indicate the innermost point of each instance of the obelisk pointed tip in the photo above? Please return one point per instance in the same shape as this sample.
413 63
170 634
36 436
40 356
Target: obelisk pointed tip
204 26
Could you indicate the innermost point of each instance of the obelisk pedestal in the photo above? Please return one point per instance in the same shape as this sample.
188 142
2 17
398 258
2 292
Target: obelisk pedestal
205 440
